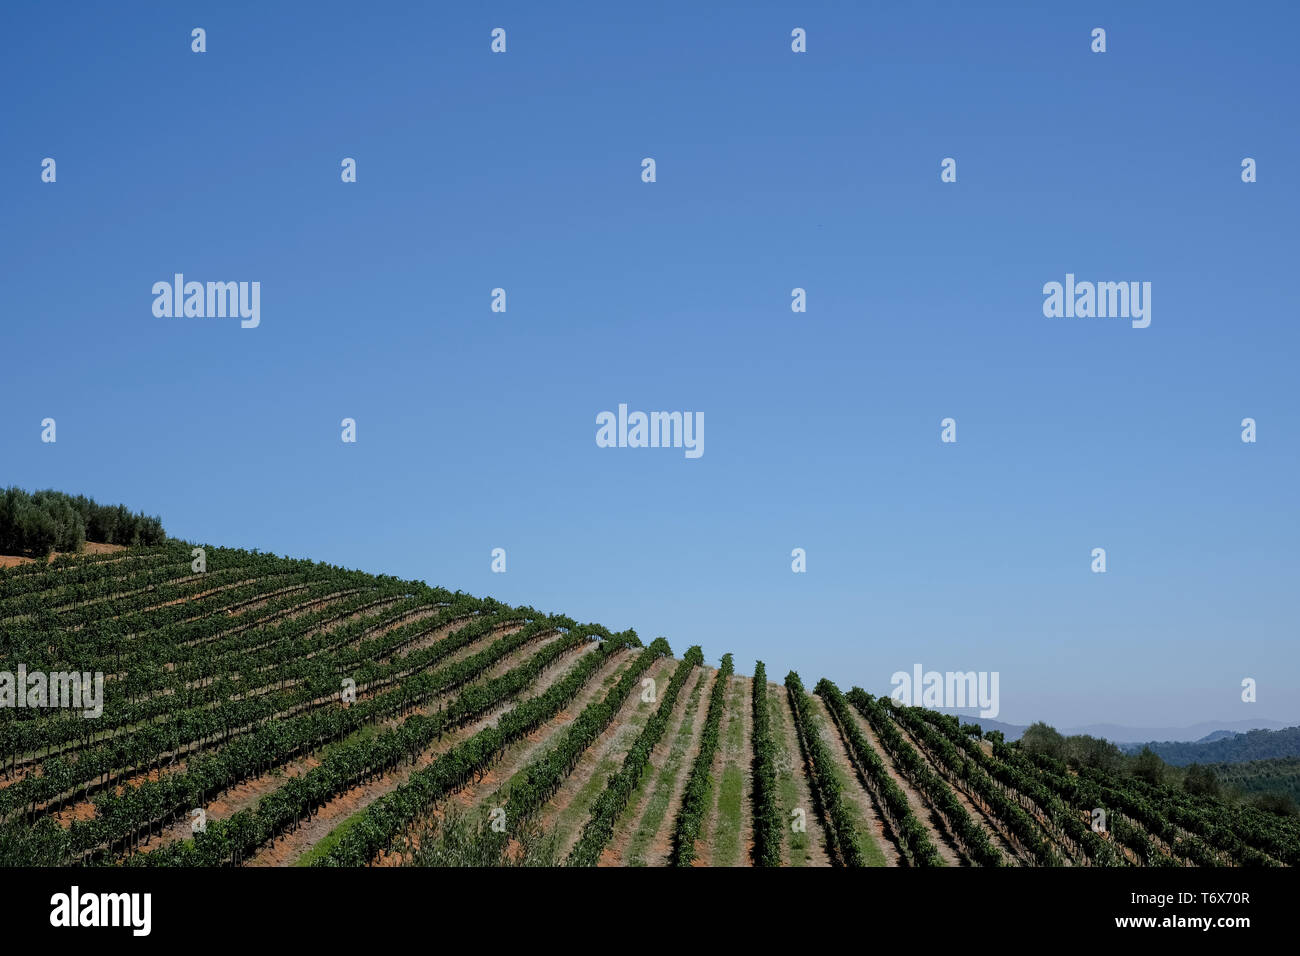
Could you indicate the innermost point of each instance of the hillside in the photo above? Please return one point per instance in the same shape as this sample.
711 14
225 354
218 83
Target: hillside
1280 775
263 711
1232 748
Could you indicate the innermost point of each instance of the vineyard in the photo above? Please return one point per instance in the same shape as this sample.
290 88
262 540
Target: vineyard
263 711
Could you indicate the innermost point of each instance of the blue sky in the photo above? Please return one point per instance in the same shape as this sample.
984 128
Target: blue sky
775 170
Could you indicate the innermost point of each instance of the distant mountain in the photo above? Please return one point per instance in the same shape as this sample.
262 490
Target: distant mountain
1229 748
1217 735
1139 735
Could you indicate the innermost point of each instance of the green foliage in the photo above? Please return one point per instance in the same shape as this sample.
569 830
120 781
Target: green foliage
1205 831
612 801
1279 776
767 812
540 780
913 838
699 786
1280 804
53 521
1146 766
825 784
360 759
1080 750
1084 750
969 834
1201 781
1238 748
940 734
1040 738
456 842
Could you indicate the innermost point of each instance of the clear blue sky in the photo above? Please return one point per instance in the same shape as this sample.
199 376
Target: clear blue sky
476 430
